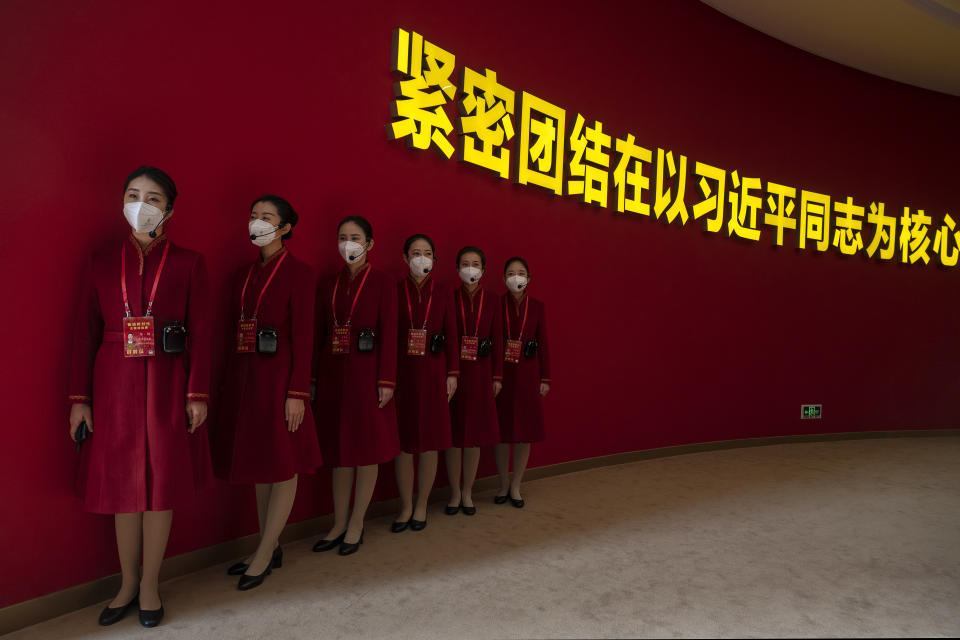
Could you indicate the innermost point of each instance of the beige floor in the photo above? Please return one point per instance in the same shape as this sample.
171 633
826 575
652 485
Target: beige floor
855 538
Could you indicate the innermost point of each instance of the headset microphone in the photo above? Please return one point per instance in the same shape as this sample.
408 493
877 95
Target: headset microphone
153 233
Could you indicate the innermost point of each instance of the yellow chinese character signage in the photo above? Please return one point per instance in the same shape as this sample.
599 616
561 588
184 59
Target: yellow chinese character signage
533 141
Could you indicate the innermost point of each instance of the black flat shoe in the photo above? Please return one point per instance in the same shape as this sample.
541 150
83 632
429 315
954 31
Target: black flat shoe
241 567
417 525
468 511
109 615
517 503
247 582
499 499
326 545
397 527
151 618
451 511
347 548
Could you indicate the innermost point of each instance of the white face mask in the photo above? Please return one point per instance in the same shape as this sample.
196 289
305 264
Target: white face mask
351 251
141 216
421 265
262 232
469 275
517 283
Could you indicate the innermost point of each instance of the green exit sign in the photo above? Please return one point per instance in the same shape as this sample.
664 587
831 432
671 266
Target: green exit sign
811 411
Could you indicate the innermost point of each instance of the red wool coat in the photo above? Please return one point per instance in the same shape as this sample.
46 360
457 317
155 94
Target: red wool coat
353 430
519 405
251 442
473 411
423 412
140 456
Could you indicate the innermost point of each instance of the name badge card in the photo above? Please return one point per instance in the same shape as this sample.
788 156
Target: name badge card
138 337
416 342
468 347
340 344
512 352
246 336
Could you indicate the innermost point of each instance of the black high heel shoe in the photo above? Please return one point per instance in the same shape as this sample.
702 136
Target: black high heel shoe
517 503
397 527
247 581
417 525
110 615
452 511
152 617
500 499
347 548
468 511
326 545
241 567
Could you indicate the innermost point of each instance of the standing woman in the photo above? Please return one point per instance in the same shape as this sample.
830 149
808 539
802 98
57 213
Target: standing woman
268 434
139 381
473 410
526 379
426 376
356 371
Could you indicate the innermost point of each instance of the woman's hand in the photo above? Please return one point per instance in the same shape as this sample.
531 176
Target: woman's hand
385 394
451 387
497 386
544 389
293 412
196 414
80 412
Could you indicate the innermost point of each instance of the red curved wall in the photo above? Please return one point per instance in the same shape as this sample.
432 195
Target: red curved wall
701 337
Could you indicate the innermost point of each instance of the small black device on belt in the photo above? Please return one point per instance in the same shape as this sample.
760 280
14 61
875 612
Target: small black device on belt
267 341
484 348
366 340
174 337
530 349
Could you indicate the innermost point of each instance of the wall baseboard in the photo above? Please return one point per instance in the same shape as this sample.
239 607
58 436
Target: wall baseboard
29 612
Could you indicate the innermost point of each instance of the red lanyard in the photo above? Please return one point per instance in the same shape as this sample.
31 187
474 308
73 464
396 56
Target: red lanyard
243 294
354 303
526 307
410 307
156 280
463 314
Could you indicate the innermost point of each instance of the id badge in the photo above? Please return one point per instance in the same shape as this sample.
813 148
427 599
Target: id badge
416 342
340 342
512 352
246 336
138 338
468 347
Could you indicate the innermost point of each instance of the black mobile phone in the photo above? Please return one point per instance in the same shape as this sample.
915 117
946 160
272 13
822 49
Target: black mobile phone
437 341
81 434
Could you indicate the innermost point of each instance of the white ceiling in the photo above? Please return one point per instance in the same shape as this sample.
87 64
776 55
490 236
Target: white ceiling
912 41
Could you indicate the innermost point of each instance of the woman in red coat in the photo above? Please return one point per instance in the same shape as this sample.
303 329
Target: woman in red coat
267 435
526 379
356 371
473 410
428 366
140 376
